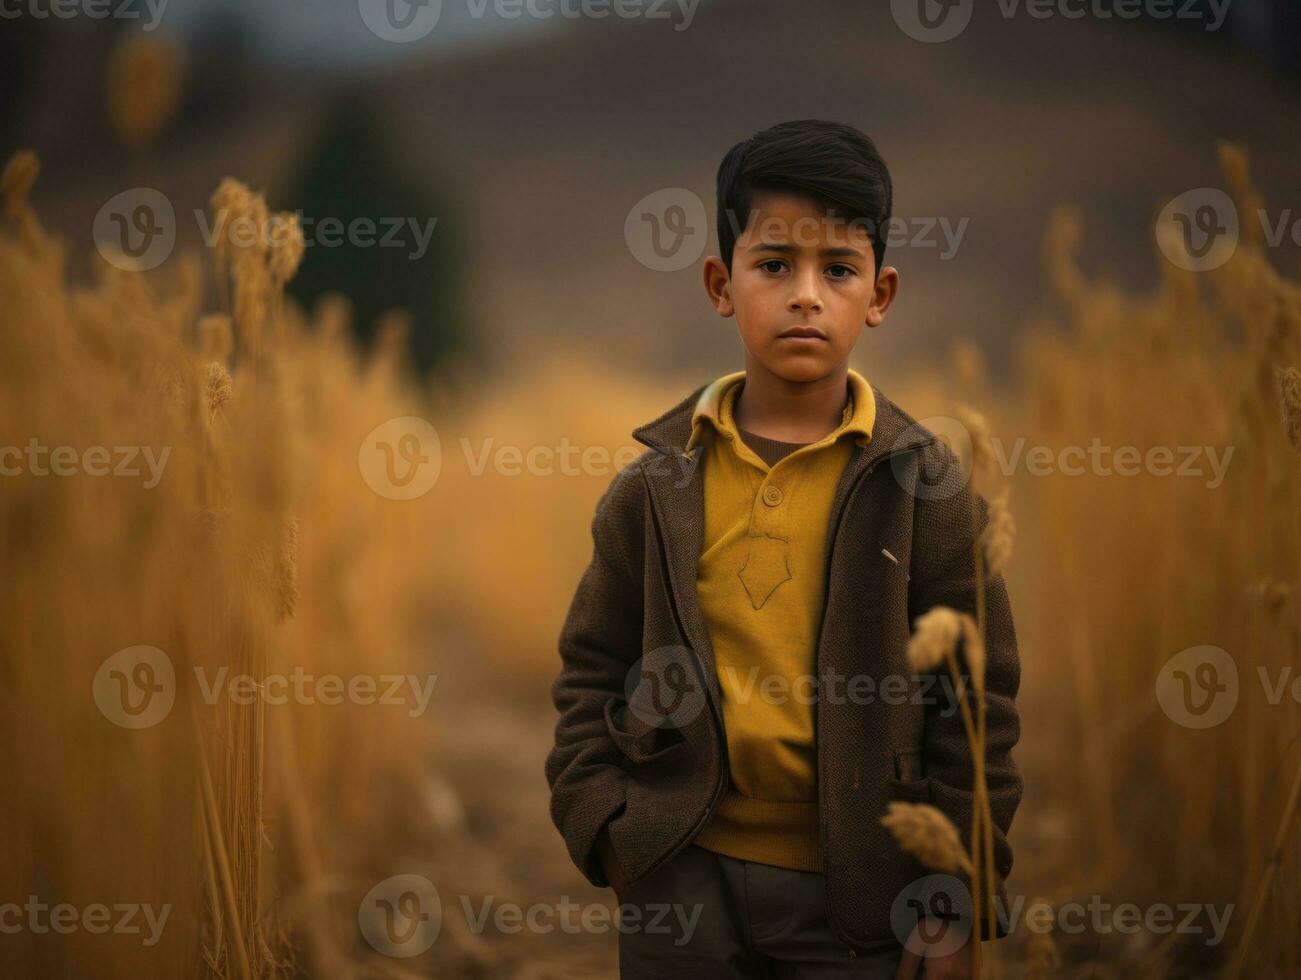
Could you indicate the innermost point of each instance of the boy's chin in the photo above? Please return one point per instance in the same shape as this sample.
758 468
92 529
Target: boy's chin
799 369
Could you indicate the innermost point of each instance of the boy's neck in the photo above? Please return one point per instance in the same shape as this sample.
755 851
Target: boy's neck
788 411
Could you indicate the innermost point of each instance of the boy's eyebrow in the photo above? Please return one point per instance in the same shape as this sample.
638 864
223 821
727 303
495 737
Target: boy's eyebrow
838 252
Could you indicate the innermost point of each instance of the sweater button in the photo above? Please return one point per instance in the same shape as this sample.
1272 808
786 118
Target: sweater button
772 495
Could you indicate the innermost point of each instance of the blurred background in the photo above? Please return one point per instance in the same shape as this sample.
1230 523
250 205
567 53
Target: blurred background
493 163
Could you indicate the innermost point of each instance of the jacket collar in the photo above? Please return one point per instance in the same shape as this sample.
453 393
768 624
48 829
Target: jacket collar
676 432
718 399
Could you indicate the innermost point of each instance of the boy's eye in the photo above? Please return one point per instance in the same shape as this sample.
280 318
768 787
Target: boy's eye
768 266
840 271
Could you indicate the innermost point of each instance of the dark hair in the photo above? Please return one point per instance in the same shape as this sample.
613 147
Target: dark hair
834 165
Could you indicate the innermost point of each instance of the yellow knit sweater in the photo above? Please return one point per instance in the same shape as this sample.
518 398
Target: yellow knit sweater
760 585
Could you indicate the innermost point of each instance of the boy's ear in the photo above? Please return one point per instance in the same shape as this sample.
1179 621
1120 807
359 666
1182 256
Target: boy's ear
887 288
718 284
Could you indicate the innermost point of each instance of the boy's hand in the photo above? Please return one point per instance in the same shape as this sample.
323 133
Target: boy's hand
947 966
610 863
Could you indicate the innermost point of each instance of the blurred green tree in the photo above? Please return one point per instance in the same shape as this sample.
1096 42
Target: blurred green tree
352 175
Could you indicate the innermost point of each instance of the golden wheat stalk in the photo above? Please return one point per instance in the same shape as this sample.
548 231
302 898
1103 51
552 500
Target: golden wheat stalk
934 641
1281 838
218 857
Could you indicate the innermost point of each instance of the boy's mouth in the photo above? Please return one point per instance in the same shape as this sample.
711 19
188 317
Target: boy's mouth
802 333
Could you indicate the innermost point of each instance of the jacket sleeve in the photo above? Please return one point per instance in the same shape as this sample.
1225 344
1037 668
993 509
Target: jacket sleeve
944 574
599 643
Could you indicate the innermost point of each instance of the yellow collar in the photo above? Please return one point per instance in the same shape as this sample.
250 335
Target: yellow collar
715 407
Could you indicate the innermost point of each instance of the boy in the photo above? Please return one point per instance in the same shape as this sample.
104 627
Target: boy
736 707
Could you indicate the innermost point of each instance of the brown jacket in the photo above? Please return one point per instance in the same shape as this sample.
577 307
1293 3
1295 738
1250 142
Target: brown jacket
899 543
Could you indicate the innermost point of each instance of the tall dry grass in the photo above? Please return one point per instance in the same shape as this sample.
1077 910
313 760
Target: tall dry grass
262 549
1118 574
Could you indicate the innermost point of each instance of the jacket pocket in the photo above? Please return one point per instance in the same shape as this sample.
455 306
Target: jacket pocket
911 790
908 763
907 784
640 743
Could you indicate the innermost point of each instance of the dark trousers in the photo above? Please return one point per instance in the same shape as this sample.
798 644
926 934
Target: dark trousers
706 916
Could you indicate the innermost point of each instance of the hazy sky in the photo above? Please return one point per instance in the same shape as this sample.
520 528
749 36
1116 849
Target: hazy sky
337 31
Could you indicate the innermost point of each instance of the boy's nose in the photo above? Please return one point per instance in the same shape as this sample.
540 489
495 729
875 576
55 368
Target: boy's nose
805 296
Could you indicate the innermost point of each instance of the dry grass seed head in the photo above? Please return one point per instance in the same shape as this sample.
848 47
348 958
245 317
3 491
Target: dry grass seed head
935 637
1289 382
927 834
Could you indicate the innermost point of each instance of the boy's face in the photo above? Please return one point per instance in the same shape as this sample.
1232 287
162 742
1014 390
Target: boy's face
802 287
